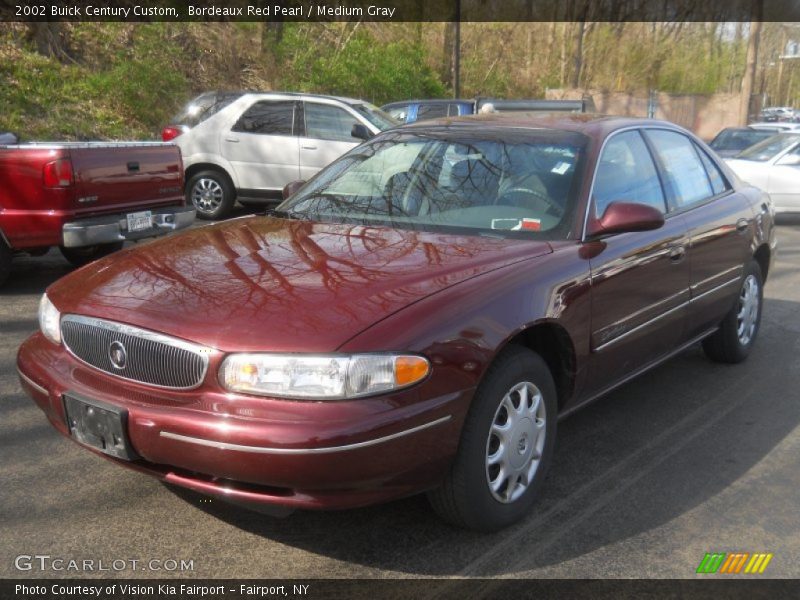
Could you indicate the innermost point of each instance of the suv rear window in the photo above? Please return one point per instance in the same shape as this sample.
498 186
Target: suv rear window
204 106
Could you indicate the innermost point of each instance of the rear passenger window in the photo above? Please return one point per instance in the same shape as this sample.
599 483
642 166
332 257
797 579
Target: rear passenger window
686 176
268 117
626 173
431 111
718 184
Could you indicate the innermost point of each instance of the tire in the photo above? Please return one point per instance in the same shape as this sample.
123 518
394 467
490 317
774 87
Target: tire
86 254
5 261
465 498
211 193
737 333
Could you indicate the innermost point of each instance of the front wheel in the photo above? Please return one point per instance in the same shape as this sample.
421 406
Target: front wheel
734 339
211 193
506 445
86 254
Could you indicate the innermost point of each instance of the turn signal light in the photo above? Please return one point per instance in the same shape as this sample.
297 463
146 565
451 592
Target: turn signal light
410 369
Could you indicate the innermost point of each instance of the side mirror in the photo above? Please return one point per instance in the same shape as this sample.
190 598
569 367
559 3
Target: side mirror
290 188
360 131
789 160
623 217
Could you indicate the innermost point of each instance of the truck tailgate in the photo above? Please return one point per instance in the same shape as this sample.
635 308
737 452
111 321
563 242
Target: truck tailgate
121 177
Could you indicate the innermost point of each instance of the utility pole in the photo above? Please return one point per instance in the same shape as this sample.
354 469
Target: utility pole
457 54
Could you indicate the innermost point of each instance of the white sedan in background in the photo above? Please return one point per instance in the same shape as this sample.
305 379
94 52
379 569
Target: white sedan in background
774 166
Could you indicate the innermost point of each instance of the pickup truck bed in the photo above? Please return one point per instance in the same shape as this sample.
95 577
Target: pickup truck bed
87 198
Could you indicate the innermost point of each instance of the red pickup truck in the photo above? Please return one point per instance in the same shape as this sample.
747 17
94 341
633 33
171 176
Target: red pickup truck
87 198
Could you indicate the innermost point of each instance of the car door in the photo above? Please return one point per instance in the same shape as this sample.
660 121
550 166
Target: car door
719 220
784 181
327 135
639 280
262 146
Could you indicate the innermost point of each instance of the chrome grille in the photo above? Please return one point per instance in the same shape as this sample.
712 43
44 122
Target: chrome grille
150 357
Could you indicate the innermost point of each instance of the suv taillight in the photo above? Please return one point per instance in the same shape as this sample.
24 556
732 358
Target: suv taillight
58 173
170 133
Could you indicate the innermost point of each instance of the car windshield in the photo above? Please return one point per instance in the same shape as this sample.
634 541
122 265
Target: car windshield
764 151
204 106
738 139
376 116
521 183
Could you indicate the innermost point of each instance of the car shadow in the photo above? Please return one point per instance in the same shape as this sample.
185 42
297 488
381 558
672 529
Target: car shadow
637 460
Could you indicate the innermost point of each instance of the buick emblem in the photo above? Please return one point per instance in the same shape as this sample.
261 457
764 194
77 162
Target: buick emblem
118 355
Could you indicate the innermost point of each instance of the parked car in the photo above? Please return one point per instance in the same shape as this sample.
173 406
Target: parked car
409 111
774 166
416 317
777 113
732 140
87 198
248 145
775 127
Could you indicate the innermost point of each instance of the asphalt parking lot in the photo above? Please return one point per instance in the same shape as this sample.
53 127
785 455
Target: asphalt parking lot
692 457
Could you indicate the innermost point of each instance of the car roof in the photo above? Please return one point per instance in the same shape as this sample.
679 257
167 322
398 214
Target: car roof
344 99
429 101
590 124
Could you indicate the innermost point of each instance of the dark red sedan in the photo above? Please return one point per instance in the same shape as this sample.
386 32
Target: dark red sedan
415 318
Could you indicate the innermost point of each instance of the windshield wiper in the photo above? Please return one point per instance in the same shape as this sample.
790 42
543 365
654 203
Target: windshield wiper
287 214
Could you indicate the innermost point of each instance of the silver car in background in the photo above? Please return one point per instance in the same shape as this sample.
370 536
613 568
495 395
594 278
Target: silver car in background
774 166
249 145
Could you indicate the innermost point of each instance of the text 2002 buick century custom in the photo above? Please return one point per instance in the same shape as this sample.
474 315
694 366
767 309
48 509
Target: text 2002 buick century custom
415 318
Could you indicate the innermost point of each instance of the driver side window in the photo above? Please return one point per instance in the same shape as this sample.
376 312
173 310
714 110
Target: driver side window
625 172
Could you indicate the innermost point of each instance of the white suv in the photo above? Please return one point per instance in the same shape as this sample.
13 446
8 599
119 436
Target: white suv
249 145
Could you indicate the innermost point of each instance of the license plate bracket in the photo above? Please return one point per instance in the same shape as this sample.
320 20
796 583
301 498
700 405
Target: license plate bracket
99 425
140 221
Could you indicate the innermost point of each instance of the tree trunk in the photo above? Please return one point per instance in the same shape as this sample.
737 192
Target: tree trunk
749 72
578 56
50 39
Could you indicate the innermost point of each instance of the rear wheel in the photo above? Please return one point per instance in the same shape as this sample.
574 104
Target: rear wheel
211 193
734 339
5 261
86 254
506 445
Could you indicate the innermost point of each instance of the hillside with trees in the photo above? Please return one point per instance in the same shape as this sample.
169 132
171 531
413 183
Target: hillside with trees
124 80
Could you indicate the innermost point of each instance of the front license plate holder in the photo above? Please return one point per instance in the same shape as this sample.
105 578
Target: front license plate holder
140 221
99 425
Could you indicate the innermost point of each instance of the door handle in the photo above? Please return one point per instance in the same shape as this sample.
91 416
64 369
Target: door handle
232 140
741 225
676 253
133 167
308 147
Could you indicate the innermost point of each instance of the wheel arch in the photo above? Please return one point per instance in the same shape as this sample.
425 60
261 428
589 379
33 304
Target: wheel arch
197 167
763 256
551 341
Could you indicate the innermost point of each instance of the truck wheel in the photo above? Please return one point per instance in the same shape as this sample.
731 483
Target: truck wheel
5 261
506 445
84 255
734 339
211 193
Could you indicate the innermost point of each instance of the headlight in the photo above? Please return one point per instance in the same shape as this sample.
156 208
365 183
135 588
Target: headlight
49 320
329 377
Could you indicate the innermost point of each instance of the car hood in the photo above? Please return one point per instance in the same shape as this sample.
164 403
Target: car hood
263 283
750 171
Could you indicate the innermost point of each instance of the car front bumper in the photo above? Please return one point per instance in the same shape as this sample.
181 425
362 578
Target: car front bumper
296 454
114 228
